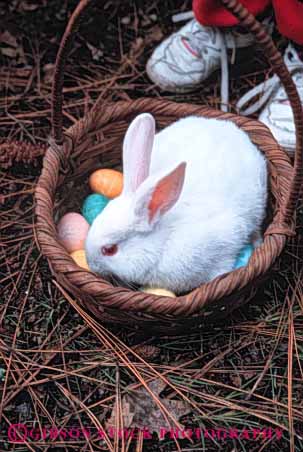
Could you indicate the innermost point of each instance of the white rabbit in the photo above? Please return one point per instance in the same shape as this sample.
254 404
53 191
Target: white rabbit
194 195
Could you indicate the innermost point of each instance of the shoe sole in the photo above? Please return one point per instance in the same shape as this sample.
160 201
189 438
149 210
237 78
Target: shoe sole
153 78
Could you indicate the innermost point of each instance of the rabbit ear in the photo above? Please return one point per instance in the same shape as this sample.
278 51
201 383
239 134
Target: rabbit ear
137 148
154 201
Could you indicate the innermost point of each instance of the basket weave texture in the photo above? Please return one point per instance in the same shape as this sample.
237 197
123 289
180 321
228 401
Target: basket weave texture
96 141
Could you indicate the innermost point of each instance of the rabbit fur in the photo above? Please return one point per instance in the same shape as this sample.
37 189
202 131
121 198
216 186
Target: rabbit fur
194 195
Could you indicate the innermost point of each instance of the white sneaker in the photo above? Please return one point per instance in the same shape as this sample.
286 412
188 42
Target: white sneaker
187 58
277 114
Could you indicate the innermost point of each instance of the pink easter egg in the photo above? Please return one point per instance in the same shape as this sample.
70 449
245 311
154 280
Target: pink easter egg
72 231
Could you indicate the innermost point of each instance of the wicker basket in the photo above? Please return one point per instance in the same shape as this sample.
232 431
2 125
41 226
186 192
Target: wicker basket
95 140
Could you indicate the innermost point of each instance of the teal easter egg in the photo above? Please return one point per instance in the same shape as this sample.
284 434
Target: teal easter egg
93 205
244 256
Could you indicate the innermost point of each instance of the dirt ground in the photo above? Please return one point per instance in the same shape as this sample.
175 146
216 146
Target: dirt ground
59 368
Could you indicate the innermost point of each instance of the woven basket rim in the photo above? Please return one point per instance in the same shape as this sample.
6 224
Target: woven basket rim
186 304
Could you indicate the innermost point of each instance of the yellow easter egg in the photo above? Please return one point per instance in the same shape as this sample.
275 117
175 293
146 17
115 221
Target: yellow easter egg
106 182
80 259
158 291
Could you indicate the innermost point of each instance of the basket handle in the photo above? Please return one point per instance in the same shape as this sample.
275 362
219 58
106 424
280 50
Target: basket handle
248 21
57 87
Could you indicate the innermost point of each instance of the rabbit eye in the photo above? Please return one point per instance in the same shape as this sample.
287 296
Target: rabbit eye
109 250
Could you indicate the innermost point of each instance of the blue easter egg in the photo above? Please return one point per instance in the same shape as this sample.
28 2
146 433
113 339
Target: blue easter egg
93 205
244 256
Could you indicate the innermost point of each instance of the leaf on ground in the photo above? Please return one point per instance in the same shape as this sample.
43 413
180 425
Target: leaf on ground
27 6
236 380
139 409
11 48
96 53
137 47
7 38
155 34
48 73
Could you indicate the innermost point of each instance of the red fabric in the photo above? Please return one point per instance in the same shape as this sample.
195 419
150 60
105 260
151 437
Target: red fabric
289 15
211 12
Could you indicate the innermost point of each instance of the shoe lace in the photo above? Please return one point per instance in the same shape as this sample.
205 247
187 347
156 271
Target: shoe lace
270 86
181 17
224 89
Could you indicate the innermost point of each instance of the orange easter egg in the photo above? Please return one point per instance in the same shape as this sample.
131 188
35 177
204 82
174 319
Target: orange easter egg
80 259
106 182
72 231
